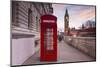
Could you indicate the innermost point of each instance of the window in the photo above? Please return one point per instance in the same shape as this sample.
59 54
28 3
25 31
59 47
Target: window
14 13
29 19
48 39
36 23
36 42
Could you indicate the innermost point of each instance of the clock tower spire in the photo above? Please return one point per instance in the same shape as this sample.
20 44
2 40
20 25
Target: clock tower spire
66 22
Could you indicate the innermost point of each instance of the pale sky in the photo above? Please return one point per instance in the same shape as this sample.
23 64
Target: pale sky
78 14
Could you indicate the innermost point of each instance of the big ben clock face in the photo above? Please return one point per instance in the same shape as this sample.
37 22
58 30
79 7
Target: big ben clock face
67 18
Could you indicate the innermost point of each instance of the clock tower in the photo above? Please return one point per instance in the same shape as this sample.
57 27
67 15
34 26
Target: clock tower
66 22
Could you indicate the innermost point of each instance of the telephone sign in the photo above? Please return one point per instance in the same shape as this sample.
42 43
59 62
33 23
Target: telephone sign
48 50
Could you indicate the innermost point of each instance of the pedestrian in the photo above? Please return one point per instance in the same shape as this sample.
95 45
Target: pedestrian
60 38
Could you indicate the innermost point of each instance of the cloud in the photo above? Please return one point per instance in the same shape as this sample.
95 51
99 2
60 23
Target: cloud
87 14
81 16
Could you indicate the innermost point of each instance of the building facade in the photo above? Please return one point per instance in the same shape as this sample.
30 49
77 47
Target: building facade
25 28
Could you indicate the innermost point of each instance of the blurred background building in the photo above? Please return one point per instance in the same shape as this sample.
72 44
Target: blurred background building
88 29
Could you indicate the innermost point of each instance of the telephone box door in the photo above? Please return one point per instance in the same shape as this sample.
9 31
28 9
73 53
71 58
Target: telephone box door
48 49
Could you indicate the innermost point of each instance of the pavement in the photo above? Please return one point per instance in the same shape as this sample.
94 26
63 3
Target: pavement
66 53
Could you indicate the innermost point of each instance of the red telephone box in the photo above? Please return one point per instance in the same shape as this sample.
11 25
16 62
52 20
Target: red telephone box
48 49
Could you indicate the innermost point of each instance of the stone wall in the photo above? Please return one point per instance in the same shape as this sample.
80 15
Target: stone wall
85 44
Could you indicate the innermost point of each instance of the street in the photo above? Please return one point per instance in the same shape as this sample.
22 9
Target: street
66 53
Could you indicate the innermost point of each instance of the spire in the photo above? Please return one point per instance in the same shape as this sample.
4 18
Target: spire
82 26
66 13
